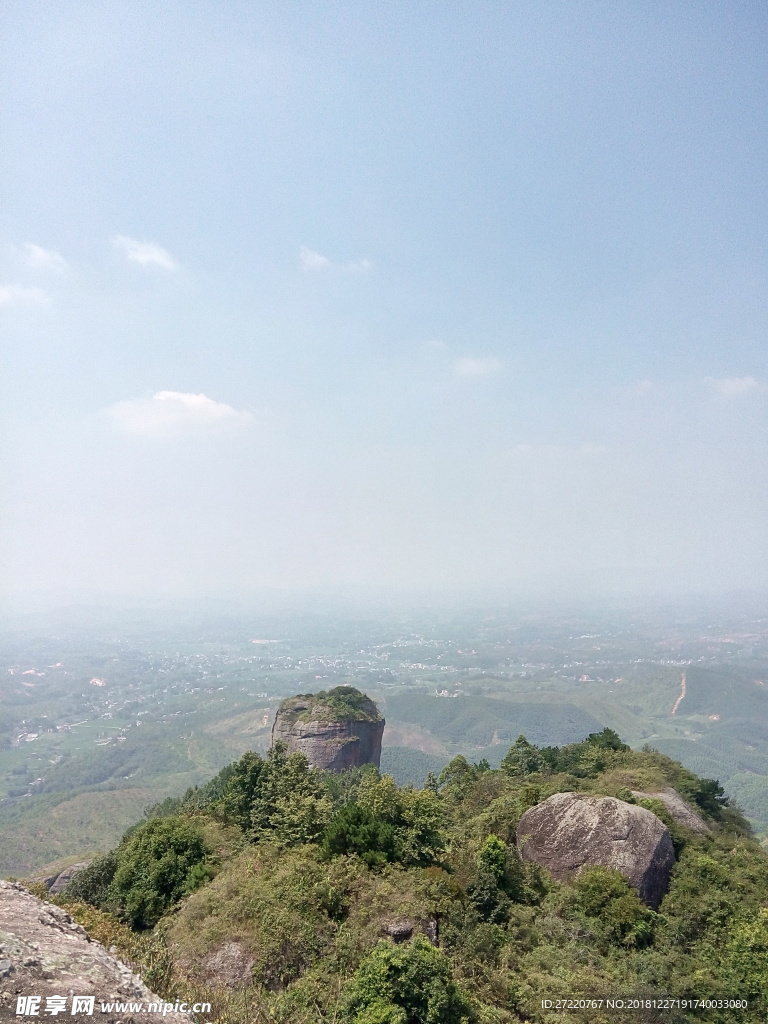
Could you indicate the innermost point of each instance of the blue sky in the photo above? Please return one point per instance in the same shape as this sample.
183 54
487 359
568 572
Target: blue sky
425 295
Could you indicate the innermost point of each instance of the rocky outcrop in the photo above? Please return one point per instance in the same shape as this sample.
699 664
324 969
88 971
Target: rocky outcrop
678 809
335 730
402 929
569 831
44 953
56 883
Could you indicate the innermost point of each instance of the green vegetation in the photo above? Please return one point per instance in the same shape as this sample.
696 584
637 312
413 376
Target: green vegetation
610 908
288 895
339 704
163 860
411 983
91 885
385 823
278 797
408 766
183 695
157 863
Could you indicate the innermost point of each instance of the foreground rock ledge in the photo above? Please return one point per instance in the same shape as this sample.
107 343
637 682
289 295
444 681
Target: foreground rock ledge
569 831
43 952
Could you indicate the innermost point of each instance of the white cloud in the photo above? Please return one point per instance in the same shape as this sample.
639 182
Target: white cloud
169 413
315 261
38 258
146 254
732 387
311 260
17 294
476 367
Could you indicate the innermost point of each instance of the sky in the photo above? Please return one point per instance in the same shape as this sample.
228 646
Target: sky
426 295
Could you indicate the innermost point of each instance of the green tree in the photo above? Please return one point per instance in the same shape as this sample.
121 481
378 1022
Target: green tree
430 782
458 777
493 856
387 824
242 789
421 827
354 829
608 739
290 803
299 817
160 862
522 758
279 797
710 796
380 796
407 984
607 898
491 904
487 890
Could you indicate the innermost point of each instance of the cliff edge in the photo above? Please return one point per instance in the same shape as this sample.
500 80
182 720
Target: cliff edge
45 955
335 729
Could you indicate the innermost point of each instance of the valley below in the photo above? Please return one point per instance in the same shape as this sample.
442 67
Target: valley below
100 721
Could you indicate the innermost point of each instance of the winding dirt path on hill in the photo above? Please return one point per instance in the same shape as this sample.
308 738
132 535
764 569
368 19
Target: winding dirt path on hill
682 694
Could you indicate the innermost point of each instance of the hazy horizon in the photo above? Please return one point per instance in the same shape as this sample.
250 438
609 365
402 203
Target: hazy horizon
351 298
86 609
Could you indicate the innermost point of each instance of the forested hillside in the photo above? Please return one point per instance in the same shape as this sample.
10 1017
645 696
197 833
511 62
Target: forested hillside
285 894
483 721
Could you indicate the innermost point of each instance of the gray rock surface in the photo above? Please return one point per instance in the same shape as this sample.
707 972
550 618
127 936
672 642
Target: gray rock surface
43 952
229 967
55 883
677 807
328 740
402 929
569 831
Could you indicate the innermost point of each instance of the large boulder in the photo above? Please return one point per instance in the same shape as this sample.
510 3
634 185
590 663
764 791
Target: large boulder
335 730
44 953
569 831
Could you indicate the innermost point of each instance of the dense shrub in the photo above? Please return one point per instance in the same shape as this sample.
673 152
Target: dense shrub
609 902
386 823
408 984
278 798
91 885
522 758
356 830
161 861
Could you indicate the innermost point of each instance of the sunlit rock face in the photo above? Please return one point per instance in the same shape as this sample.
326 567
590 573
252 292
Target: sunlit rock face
335 730
44 953
677 807
569 831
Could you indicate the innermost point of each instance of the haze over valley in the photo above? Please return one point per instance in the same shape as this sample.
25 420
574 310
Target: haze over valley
105 714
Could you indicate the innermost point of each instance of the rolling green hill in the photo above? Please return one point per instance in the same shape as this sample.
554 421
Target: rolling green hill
410 767
280 893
